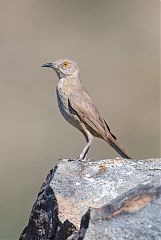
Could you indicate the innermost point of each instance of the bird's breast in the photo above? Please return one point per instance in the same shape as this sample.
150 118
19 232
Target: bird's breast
62 98
63 104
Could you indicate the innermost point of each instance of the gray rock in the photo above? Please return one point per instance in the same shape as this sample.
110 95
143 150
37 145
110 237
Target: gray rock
43 222
76 186
134 215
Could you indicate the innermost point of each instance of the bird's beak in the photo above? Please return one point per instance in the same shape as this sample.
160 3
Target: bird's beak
49 65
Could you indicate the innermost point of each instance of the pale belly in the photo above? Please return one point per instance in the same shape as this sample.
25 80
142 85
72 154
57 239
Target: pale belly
68 113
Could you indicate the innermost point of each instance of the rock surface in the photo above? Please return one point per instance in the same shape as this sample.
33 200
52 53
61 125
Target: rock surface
104 186
135 214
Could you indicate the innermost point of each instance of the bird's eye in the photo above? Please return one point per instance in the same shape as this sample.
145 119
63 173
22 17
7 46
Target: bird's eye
65 64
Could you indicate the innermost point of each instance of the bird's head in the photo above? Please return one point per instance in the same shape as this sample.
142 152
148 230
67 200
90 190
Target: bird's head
64 67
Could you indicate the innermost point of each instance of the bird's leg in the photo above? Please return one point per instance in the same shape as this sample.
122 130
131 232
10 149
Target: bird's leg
89 138
83 154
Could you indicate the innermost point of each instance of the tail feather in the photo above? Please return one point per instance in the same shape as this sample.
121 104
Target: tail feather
121 151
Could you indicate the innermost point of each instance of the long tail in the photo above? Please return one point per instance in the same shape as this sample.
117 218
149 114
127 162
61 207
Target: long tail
121 151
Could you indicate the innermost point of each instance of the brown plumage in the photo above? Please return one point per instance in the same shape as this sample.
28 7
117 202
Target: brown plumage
78 108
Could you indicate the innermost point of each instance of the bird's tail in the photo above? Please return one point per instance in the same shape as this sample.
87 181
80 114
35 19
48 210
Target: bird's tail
121 151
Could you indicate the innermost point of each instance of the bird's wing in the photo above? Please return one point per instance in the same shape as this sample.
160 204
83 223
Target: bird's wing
83 105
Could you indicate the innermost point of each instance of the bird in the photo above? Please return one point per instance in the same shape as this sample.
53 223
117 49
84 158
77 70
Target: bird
78 108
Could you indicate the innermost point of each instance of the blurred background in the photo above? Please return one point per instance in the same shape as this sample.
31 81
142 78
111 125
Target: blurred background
116 44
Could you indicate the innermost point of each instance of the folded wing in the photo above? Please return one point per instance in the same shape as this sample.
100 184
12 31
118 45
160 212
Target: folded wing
83 105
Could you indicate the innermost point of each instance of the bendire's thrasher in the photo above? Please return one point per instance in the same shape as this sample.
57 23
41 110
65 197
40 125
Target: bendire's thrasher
78 108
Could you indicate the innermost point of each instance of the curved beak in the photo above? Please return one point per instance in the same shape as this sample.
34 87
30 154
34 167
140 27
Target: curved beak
49 65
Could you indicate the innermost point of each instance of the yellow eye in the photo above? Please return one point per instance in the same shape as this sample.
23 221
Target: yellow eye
65 64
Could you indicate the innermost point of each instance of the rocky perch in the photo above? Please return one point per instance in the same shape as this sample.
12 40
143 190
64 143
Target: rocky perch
106 199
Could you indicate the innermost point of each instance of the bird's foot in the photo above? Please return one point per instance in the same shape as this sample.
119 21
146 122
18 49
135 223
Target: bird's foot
83 159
